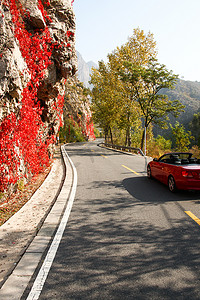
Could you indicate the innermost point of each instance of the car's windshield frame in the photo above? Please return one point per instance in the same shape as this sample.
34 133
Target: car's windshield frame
181 155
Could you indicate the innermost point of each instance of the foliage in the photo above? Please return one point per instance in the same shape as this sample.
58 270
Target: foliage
21 184
194 126
128 86
182 137
147 81
138 51
71 132
97 132
196 151
163 143
77 109
104 97
158 146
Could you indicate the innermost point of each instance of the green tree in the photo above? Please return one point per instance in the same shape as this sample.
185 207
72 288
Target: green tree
70 132
162 143
147 82
194 126
111 103
104 98
182 138
129 87
139 49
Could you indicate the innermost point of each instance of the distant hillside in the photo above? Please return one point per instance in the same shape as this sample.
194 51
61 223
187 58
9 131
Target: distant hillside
84 69
188 93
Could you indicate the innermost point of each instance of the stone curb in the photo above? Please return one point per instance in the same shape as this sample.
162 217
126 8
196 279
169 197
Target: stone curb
17 282
17 233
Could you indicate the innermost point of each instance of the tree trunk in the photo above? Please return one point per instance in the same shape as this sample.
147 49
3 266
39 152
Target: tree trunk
128 137
106 135
125 139
128 132
142 141
105 138
111 137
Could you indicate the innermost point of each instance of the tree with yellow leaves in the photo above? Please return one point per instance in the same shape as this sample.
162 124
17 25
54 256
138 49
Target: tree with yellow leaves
131 86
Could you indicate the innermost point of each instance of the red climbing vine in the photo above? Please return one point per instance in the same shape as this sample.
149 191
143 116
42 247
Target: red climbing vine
22 144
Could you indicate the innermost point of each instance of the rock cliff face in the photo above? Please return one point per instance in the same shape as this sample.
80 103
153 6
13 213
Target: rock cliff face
77 112
37 57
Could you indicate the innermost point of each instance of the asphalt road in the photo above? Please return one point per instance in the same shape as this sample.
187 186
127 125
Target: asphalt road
127 237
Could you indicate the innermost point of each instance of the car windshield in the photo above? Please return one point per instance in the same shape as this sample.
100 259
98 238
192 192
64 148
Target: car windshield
178 158
184 155
164 158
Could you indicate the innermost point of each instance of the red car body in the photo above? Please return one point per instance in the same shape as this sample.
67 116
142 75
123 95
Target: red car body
177 170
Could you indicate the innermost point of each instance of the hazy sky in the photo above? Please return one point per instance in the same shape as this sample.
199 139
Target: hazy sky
102 25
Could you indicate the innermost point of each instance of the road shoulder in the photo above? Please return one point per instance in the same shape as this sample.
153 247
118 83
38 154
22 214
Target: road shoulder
20 230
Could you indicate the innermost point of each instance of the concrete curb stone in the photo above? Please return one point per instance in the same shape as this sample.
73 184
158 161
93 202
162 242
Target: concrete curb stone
27 222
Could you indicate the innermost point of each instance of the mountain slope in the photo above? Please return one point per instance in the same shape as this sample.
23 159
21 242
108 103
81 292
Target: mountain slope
188 93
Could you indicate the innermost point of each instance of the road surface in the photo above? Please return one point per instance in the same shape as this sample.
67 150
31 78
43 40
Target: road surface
127 237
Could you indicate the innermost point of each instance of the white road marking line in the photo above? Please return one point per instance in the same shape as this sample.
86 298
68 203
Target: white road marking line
44 270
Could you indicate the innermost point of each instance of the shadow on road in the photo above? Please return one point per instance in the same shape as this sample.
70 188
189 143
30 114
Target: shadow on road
104 256
147 190
111 250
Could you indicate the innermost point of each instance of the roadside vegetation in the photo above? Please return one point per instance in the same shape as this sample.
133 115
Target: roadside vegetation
77 125
128 100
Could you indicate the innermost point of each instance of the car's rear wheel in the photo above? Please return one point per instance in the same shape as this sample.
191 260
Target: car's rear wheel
149 172
171 184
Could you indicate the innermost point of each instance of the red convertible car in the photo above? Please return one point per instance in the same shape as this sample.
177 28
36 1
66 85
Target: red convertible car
177 170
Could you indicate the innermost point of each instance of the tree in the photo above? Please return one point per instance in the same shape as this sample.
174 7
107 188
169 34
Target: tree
104 98
194 126
147 82
139 49
163 143
129 87
182 138
111 102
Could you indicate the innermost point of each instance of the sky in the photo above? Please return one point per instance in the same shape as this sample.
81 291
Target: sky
104 25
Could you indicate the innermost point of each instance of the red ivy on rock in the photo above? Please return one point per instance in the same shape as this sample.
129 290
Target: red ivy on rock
88 130
21 138
44 13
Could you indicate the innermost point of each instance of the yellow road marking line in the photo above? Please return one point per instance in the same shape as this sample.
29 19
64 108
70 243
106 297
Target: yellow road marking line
191 215
130 170
101 154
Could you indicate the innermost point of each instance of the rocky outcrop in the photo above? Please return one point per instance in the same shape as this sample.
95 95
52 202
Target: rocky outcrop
37 56
77 108
14 73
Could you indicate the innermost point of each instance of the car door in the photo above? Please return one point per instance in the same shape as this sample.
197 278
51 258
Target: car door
163 167
158 170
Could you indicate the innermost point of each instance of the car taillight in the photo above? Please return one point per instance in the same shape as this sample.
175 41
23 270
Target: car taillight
187 174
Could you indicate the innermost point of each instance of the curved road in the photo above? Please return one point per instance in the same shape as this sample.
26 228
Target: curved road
127 237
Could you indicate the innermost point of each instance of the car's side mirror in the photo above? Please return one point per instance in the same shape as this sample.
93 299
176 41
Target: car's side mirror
155 159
